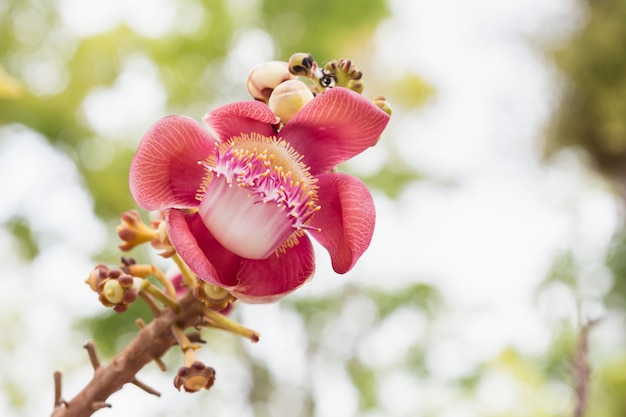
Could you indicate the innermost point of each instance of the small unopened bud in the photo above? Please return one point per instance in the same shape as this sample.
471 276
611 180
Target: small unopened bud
133 231
265 77
161 240
303 64
118 289
214 297
97 276
383 104
288 98
195 377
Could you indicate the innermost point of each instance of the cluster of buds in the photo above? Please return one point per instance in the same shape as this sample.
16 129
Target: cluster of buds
115 288
282 86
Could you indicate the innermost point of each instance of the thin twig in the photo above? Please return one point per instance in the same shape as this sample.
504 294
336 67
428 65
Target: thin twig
167 284
582 369
152 305
145 387
58 389
90 346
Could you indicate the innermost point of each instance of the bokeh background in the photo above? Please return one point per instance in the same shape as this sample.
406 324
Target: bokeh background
500 186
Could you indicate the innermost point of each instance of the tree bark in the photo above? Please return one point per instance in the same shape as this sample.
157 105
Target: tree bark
152 342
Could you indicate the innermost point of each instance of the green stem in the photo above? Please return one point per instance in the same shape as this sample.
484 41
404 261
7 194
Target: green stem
188 348
188 275
167 284
161 296
219 321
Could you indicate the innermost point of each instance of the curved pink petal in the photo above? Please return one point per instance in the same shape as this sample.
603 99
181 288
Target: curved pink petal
335 126
267 280
253 281
206 257
242 117
164 172
346 219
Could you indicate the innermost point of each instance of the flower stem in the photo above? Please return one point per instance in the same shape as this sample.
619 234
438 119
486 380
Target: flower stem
219 321
188 348
167 284
160 296
152 305
188 276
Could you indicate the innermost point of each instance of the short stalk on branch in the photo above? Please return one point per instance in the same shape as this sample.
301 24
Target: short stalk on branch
219 321
160 296
188 276
152 342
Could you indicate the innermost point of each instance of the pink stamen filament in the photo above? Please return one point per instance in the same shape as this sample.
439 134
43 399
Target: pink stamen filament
253 170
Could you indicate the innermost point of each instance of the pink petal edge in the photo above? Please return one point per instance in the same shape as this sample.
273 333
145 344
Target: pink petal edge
252 281
267 280
164 172
346 219
246 117
334 127
209 260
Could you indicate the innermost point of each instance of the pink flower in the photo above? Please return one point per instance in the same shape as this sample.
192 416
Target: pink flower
239 197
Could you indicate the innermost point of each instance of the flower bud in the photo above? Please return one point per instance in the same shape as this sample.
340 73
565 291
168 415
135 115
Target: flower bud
288 98
302 64
115 288
97 276
265 77
133 231
161 240
195 377
214 297
383 104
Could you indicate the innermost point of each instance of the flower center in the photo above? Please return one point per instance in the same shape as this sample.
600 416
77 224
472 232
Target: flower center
257 196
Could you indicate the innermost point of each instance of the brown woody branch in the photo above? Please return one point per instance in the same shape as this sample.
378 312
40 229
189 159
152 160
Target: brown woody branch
151 343
582 369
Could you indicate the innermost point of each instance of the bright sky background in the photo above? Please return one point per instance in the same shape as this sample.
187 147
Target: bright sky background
483 228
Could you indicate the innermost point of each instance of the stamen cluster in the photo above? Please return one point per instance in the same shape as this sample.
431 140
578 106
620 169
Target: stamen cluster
259 169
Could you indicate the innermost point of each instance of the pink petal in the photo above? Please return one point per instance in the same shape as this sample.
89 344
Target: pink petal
200 251
242 117
253 281
335 126
267 280
346 219
164 172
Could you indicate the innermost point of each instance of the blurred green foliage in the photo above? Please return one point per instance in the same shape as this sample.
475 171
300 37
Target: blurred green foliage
592 114
27 242
327 29
320 315
592 118
110 330
607 396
